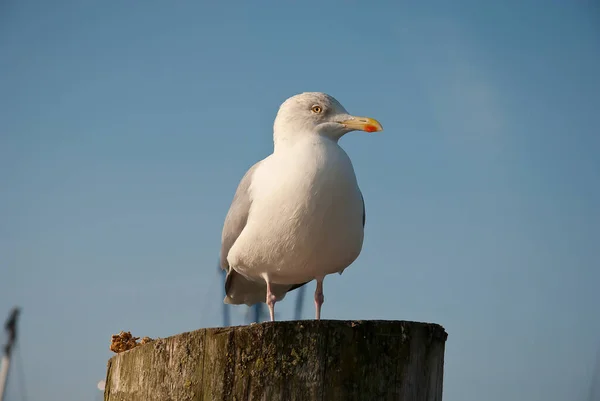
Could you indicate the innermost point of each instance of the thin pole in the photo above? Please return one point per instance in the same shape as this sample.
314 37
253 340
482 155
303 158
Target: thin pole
257 310
299 303
3 375
11 328
226 320
595 385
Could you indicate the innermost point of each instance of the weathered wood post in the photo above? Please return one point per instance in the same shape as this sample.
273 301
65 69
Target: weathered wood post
286 361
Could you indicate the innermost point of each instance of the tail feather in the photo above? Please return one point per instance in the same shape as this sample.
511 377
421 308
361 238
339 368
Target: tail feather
242 290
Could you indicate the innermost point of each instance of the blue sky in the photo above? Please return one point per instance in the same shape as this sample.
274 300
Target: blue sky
126 126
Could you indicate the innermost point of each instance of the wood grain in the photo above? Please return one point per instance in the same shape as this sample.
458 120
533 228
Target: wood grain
300 360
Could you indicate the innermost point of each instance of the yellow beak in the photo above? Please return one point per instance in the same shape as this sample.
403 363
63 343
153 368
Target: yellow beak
362 123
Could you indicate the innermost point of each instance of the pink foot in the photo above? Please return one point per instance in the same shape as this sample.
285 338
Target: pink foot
319 298
270 300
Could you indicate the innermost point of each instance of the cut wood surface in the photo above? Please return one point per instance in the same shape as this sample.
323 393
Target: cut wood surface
326 360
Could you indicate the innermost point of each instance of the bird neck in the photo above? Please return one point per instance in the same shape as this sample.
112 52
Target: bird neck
283 140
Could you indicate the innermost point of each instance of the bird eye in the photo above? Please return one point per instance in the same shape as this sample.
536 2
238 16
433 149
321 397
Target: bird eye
317 109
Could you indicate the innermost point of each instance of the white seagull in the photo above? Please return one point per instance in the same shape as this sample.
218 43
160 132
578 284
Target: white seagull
297 215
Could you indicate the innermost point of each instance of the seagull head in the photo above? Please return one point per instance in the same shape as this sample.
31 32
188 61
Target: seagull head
321 114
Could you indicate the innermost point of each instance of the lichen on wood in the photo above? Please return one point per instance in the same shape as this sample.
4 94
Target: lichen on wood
124 341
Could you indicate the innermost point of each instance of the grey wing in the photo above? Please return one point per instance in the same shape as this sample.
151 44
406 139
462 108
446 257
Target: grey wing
237 216
239 289
364 216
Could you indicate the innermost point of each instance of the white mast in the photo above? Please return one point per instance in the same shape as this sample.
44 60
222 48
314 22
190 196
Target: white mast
11 328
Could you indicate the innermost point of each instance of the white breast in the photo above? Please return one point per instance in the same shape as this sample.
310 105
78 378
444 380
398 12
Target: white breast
306 215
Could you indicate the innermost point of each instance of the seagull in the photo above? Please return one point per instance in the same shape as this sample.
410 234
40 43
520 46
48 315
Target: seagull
298 215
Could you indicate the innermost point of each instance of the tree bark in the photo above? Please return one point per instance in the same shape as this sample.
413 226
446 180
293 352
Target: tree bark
286 361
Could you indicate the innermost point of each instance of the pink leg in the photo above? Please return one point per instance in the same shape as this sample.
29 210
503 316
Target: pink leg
319 298
270 299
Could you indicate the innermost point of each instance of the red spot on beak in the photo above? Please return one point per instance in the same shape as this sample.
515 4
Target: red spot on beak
370 128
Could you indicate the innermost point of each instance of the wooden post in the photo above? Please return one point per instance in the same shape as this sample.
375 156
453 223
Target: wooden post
286 361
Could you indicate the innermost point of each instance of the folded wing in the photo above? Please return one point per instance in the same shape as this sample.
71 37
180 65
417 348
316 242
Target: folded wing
241 289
